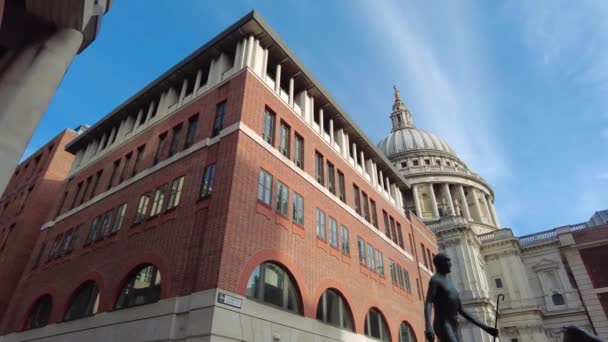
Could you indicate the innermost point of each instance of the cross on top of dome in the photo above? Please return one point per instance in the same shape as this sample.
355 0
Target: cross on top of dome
401 116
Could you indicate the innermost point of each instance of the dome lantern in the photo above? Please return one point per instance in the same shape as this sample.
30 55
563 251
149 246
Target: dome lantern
401 116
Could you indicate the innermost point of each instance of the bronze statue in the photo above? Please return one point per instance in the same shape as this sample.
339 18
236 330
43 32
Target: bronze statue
444 297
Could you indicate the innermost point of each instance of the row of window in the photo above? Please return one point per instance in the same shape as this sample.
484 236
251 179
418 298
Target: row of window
174 190
343 242
400 276
370 257
428 161
87 189
427 257
265 187
328 176
142 287
36 162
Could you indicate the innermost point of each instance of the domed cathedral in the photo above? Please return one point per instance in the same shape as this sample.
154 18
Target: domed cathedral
458 205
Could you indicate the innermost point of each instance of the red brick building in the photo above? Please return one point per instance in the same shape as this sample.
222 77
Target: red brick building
25 205
232 199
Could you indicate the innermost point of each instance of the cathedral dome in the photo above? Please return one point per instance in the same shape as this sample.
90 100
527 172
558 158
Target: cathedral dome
405 137
413 140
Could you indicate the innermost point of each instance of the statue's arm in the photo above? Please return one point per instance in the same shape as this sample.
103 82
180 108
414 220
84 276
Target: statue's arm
467 315
428 305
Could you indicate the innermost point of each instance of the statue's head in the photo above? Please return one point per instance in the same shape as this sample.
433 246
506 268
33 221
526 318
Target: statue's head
443 263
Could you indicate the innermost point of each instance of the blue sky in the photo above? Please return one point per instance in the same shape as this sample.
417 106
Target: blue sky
518 88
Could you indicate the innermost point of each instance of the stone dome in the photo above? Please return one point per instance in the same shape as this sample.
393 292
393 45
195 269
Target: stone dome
413 140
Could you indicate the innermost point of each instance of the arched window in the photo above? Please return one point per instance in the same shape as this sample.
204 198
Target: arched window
333 309
405 333
558 299
270 283
143 287
85 302
40 313
375 326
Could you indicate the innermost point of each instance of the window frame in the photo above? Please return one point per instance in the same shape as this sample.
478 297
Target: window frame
285 139
298 213
282 202
321 224
268 132
218 120
265 180
344 242
298 153
208 181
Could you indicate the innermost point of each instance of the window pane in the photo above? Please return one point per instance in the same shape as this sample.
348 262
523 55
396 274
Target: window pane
345 240
39 316
84 303
274 279
333 232
282 199
298 208
380 262
333 308
370 257
320 224
361 245
142 288
254 283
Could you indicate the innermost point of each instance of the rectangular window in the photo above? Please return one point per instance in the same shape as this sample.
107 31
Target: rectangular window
424 255
218 122
268 132
76 195
208 181
177 132
320 224
282 199
333 232
370 257
400 236
341 187
113 174
319 168
142 208
428 254
120 214
125 167
159 199
345 242
374 213
393 232
331 178
284 136
361 246
357 199
85 191
74 238
67 239
161 146
298 151
138 157
366 207
265 187
191 133
55 247
95 184
391 265
94 230
175 193
298 208
498 282
400 276
406 275
106 224
380 262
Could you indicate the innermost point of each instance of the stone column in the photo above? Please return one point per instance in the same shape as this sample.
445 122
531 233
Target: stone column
463 203
355 154
331 132
291 85
249 52
416 200
277 79
434 201
476 206
197 81
486 208
494 215
448 197
321 121
26 87
182 92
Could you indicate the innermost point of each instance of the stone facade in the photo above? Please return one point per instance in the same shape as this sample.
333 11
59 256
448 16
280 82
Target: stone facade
534 273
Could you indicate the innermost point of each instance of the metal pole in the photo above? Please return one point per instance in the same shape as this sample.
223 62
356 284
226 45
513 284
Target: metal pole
497 304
